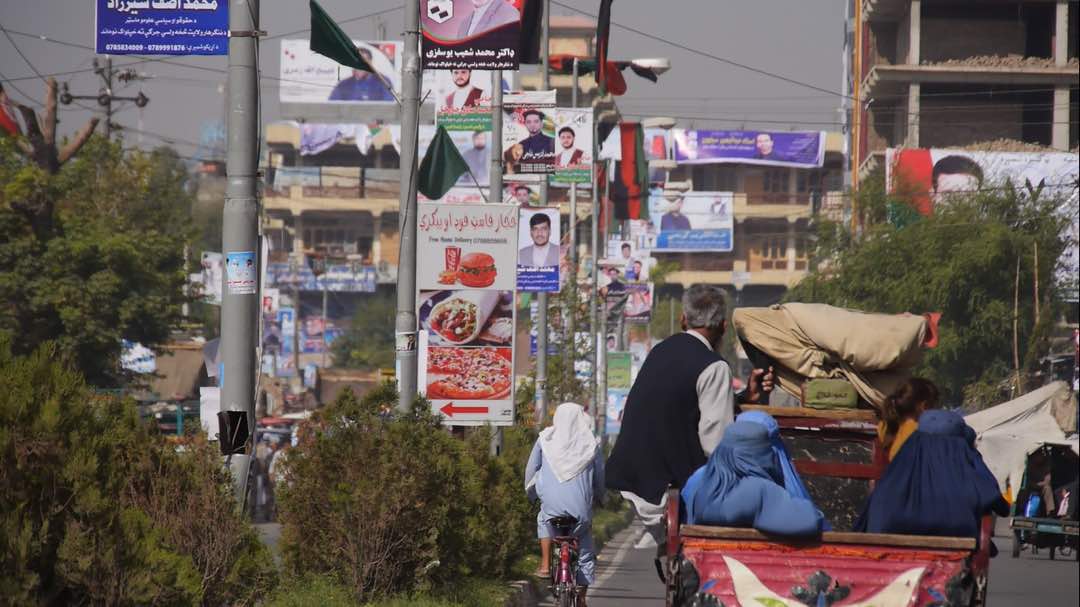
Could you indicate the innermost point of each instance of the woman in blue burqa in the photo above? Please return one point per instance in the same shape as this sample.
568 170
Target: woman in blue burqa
937 484
743 485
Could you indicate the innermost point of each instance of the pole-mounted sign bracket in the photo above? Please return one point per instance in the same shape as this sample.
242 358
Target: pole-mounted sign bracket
247 34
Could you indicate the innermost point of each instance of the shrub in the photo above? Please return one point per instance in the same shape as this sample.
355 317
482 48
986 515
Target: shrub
392 503
82 518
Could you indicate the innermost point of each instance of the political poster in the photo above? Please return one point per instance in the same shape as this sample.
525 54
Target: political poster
693 221
626 260
471 34
161 27
462 98
466 278
308 77
930 177
338 278
538 259
768 148
616 404
633 301
573 145
529 134
618 370
212 277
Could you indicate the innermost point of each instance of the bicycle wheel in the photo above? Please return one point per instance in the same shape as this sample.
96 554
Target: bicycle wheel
566 598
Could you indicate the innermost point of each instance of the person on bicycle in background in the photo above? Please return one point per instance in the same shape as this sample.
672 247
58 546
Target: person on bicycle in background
565 471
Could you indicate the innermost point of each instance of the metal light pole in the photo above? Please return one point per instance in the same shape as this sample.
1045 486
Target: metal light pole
542 298
240 228
405 338
495 188
571 318
325 324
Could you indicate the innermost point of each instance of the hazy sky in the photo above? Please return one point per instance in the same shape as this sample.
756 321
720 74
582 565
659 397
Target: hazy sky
799 39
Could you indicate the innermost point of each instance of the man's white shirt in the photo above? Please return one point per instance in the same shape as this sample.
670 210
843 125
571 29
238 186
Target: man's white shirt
565 156
716 400
540 255
460 95
477 13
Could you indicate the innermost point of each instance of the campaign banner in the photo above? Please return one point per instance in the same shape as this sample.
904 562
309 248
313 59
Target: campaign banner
529 133
466 278
573 145
769 148
693 221
930 177
462 98
469 34
475 149
538 261
161 27
632 300
618 370
308 77
212 277
616 404
339 278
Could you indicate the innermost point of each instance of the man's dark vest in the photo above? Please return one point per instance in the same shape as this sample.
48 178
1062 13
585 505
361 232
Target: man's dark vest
658 443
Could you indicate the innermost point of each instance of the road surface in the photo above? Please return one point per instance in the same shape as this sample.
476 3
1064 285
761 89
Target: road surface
626 576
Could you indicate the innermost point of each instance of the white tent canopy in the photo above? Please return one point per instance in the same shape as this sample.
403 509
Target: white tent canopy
1010 431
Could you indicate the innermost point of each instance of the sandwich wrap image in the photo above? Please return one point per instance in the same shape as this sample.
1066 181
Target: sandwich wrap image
459 319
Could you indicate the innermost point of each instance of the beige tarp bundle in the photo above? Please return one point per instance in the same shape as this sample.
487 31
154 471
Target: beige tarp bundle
875 352
1008 432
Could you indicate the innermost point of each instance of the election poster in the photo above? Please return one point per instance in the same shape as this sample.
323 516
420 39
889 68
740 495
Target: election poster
573 145
928 178
693 221
538 259
616 404
631 300
161 27
470 34
529 134
308 77
466 275
618 370
768 148
462 97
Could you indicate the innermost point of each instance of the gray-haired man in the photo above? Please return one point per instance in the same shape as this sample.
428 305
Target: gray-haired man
678 408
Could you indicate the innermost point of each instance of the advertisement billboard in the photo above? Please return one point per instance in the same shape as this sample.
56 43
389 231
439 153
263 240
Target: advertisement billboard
466 274
693 221
529 134
538 258
307 77
469 34
768 148
161 27
929 177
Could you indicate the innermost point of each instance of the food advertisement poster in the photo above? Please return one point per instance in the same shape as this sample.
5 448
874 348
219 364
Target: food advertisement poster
573 145
469 34
466 277
538 257
529 134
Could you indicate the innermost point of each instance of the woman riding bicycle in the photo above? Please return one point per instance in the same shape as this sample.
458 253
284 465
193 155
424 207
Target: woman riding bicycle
565 471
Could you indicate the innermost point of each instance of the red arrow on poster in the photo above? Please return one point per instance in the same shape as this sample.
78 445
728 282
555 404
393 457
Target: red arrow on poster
449 409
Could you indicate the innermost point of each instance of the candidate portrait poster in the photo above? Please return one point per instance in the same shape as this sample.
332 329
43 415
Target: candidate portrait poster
693 221
471 34
573 145
462 97
308 77
529 134
767 148
539 255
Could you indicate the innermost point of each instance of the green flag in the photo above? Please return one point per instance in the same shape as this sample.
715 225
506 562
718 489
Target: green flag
328 40
441 167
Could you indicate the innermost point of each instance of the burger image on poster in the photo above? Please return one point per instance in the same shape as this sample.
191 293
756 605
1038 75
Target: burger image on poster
477 270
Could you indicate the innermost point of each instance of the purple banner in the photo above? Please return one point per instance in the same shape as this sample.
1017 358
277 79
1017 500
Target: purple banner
791 149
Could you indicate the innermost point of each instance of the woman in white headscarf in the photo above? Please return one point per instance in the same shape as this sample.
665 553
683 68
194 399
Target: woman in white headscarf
565 471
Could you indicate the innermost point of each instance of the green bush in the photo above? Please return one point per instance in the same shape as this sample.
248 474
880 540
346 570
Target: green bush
94 509
390 503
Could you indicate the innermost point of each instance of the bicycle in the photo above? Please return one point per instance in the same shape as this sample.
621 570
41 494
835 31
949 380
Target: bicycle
564 562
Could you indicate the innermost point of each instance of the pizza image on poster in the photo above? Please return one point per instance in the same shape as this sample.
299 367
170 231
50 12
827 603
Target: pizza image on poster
469 373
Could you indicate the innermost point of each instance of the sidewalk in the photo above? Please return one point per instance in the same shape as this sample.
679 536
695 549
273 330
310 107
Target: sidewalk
624 576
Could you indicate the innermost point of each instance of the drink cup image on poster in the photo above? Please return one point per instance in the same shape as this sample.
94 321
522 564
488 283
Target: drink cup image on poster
529 133
573 145
307 77
475 34
538 258
466 275
240 273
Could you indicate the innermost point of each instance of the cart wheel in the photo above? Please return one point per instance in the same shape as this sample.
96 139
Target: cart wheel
1052 548
1016 545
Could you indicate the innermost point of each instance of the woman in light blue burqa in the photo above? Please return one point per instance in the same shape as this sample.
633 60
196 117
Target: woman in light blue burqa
742 485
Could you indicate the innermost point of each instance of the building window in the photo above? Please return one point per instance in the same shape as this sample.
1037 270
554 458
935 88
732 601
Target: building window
801 252
769 253
715 178
777 185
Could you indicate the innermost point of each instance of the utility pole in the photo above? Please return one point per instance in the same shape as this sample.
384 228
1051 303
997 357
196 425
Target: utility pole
594 289
600 370
105 96
495 189
240 233
571 318
542 297
405 337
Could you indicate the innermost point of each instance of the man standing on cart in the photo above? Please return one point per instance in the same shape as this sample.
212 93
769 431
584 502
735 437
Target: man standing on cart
677 410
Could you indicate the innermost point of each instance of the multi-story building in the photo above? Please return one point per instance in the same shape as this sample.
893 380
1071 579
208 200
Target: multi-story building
954 73
773 210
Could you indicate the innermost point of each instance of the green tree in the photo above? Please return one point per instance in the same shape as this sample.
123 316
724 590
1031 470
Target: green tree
369 342
91 253
962 262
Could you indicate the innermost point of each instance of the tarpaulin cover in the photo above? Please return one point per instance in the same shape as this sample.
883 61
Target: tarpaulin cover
875 352
1007 433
